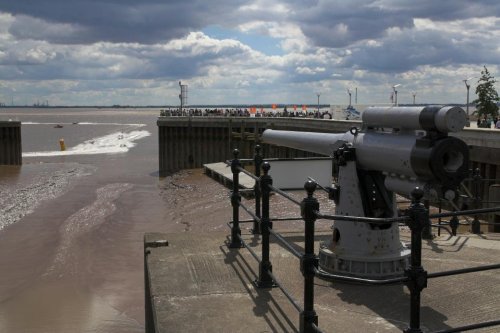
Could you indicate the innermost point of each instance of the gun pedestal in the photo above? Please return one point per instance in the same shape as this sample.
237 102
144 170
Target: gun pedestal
360 249
400 148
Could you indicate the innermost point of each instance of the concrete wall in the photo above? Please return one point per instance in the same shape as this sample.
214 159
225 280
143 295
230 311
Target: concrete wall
189 142
10 143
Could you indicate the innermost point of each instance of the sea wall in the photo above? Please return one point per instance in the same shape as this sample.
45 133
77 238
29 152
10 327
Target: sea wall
10 143
190 142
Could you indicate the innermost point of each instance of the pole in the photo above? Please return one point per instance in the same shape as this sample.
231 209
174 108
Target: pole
265 280
257 164
467 106
235 202
476 225
417 276
318 102
308 262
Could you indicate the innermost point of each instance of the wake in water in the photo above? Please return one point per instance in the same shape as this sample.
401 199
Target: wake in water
109 144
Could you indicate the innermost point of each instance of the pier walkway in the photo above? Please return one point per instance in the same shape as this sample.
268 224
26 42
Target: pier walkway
222 173
198 284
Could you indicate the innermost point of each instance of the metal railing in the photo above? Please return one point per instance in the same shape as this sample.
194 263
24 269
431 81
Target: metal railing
416 217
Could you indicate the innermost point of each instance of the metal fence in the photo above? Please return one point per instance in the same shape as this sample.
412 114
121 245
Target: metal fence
416 217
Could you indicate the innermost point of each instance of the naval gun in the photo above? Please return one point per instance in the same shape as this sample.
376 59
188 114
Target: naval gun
396 150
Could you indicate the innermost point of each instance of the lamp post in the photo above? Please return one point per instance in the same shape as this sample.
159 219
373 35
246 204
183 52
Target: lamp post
467 85
350 95
318 94
414 94
395 94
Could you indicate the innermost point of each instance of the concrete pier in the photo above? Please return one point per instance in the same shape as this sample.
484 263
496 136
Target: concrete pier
10 143
198 284
190 142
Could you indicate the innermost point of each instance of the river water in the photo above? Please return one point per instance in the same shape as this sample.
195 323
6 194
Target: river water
72 222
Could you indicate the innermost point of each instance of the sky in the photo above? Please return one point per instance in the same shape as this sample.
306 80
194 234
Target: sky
93 52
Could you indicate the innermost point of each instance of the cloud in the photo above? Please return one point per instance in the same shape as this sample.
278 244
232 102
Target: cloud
429 43
88 21
121 51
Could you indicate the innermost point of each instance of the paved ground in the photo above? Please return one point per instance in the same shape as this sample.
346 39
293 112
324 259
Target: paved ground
199 285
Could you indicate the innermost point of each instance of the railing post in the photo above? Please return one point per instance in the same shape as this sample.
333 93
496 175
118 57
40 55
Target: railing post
235 202
257 163
309 260
426 231
416 274
454 225
265 280
476 225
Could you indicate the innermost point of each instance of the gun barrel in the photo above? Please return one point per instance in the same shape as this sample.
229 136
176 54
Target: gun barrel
400 154
434 118
320 143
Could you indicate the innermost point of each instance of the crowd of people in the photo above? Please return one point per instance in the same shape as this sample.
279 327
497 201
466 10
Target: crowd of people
238 112
488 122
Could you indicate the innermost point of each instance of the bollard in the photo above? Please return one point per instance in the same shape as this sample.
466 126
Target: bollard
62 145
235 202
417 276
265 280
257 164
476 225
309 260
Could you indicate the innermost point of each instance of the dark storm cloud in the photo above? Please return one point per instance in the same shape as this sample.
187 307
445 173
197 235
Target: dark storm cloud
341 23
405 50
89 21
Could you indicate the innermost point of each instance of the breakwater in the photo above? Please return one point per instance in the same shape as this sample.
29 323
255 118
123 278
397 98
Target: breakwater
190 142
10 143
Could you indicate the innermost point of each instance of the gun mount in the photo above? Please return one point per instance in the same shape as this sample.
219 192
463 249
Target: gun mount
398 149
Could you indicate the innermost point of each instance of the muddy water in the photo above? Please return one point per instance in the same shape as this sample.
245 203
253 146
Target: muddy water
72 226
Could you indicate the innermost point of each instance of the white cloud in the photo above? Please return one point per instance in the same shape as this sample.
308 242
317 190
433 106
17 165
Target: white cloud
119 53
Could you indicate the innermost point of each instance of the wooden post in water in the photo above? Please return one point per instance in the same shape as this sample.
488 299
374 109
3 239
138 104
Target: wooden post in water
10 143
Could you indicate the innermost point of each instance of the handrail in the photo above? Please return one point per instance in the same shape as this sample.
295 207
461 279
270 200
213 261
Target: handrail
286 293
249 212
465 212
285 243
415 277
284 194
470 327
463 271
374 220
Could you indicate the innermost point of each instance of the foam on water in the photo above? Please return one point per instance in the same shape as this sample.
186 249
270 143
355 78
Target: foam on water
117 142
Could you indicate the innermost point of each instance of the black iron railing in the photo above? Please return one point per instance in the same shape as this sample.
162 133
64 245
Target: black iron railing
416 217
